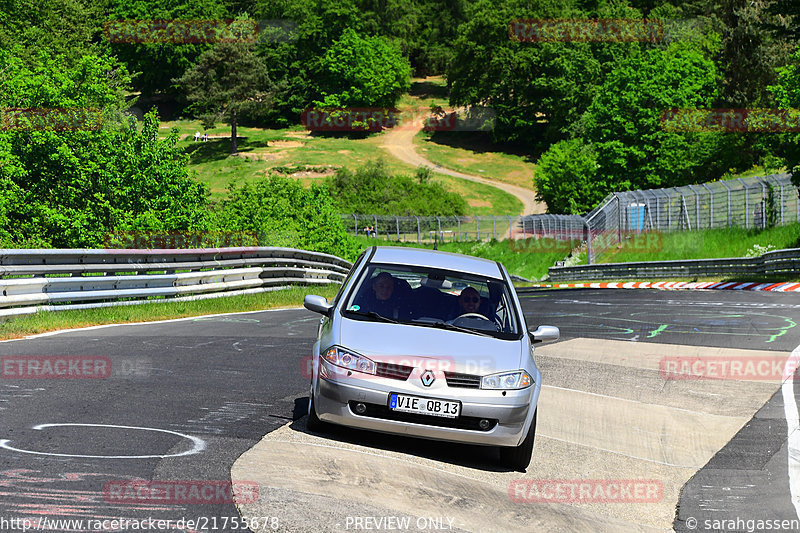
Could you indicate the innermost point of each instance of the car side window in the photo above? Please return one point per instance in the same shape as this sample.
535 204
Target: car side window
347 279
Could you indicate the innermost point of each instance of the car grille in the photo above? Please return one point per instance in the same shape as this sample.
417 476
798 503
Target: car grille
462 422
393 371
466 381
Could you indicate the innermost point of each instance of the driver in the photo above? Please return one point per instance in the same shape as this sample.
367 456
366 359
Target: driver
469 301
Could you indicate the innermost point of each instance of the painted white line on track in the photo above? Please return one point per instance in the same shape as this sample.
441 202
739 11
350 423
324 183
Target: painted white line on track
792 427
616 452
87 328
617 398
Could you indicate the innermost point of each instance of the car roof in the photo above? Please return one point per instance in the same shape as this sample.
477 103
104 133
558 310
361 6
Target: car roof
436 259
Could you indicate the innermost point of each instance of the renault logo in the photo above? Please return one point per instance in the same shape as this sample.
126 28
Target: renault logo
427 378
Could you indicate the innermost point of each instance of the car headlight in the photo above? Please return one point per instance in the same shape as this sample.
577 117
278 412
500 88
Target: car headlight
519 379
349 360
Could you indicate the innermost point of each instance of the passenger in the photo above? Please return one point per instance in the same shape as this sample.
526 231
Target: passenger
469 301
388 298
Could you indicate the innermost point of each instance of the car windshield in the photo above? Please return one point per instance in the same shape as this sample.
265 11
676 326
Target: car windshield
430 297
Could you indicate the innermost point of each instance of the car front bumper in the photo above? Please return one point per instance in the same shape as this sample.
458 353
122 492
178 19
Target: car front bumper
335 398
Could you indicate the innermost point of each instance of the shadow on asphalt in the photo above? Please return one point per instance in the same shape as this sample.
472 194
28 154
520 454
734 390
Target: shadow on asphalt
470 456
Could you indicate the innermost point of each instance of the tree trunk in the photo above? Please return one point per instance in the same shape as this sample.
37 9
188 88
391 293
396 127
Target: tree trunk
234 146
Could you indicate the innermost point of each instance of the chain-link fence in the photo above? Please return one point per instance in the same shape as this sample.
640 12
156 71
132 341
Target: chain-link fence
755 202
429 229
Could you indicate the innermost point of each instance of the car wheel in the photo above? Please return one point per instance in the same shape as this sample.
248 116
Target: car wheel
313 423
519 457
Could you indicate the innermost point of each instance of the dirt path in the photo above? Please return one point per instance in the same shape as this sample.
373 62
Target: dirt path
400 143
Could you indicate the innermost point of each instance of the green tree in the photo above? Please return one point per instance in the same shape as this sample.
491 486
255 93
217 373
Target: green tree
155 64
787 95
624 121
537 89
566 178
362 71
424 29
227 79
622 130
65 26
291 61
68 187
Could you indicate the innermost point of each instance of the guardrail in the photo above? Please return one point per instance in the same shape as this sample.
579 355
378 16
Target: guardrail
776 262
33 280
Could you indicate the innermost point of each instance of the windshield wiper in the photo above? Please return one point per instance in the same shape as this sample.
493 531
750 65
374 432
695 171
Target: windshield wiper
441 324
373 314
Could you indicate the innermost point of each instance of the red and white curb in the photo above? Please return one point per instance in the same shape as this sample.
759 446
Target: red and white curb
679 285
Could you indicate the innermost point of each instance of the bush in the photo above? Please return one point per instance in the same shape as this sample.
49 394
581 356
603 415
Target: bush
282 213
566 178
370 189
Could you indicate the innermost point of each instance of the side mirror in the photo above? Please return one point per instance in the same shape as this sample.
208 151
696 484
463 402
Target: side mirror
318 304
544 334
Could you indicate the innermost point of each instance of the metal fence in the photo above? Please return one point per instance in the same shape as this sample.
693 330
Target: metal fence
59 279
755 202
778 262
429 228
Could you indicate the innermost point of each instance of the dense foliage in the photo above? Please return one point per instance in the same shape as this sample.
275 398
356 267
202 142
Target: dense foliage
359 72
82 169
227 80
589 111
371 189
68 183
280 212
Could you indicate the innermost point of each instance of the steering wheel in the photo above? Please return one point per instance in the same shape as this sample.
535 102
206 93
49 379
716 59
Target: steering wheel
472 315
497 326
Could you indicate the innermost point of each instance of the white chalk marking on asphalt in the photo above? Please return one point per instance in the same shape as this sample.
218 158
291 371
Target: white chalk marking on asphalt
199 444
792 427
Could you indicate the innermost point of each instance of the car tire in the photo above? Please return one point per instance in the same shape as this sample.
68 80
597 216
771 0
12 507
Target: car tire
313 423
519 457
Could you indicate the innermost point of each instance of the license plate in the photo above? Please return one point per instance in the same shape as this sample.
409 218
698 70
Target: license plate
424 406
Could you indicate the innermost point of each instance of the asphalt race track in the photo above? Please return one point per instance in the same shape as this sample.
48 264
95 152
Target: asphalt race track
206 400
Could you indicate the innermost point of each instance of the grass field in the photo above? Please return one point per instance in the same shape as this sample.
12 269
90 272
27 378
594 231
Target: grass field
713 243
51 321
472 153
261 150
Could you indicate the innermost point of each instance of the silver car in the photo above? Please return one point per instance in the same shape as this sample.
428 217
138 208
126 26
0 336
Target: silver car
430 344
